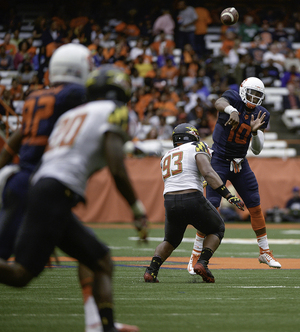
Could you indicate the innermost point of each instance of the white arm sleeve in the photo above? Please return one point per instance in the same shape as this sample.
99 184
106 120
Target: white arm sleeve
257 142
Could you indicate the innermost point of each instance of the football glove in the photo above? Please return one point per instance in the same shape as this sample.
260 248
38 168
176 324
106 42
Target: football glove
236 201
140 220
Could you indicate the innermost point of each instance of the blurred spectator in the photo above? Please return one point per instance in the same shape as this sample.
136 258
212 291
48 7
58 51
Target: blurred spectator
234 54
164 23
15 39
228 42
6 60
34 84
292 207
290 101
161 44
204 19
274 54
143 66
291 76
296 34
94 45
145 27
51 34
162 58
264 35
136 80
22 54
269 74
98 57
248 29
16 90
96 32
279 32
25 73
10 48
39 27
186 20
251 68
201 76
137 50
130 29
6 99
166 106
164 130
257 50
169 71
2 87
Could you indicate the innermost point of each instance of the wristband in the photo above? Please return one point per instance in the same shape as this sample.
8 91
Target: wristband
138 208
229 109
223 191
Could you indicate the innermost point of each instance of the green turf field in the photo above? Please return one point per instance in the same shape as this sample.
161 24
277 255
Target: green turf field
240 300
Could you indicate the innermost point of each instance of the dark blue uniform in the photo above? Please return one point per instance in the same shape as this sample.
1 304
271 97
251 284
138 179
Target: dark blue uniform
41 110
230 144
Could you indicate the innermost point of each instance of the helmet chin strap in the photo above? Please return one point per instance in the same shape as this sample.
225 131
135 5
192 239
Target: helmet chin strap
250 105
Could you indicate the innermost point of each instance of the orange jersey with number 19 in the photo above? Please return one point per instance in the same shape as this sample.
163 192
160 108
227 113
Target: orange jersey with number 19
179 168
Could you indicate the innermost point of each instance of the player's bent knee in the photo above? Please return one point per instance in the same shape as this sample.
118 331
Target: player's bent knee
105 264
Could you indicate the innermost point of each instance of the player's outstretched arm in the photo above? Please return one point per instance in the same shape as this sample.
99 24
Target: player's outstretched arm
214 180
11 148
113 150
223 105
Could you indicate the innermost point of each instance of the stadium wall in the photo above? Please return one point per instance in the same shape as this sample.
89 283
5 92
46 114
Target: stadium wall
276 178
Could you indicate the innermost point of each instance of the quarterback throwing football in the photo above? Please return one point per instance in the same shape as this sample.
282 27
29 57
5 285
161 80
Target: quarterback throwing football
241 122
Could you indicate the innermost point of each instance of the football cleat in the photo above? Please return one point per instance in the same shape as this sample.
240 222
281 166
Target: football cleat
266 257
202 270
119 327
126 328
193 260
150 275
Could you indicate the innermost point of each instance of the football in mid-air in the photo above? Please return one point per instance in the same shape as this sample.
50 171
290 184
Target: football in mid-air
229 16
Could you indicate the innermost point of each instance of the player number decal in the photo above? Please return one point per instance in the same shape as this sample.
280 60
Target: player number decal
66 132
172 165
243 129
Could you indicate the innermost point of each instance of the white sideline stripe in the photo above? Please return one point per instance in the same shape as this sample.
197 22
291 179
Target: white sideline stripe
228 241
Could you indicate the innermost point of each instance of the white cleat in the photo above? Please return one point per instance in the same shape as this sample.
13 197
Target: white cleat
193 260
119 326
266 257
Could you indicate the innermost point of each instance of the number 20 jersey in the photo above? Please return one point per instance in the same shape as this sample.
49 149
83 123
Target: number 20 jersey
179 168
75 147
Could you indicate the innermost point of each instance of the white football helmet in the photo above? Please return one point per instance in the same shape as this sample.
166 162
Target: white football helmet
252 92
70 63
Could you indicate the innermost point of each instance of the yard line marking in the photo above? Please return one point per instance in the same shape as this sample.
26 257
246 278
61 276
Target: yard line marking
228 241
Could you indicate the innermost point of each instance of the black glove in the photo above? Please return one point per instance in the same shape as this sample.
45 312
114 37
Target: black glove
236 201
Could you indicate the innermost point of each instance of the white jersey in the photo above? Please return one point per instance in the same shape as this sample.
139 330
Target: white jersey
75 146
179 168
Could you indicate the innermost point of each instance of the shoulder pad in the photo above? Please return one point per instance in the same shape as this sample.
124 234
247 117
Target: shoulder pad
201 147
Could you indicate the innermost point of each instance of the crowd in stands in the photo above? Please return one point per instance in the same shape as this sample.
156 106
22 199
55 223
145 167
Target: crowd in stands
175 77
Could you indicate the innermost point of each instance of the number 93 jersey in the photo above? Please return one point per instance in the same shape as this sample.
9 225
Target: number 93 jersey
75 148
179 168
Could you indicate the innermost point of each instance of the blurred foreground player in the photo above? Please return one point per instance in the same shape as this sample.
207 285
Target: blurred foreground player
83 141
68 70
241 117
183 170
